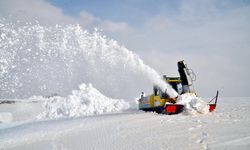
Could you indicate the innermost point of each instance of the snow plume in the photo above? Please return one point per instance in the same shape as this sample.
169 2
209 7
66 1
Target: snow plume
193 104
85 101
41 60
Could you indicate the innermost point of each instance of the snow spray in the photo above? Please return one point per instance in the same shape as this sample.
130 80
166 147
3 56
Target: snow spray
39 60
54 60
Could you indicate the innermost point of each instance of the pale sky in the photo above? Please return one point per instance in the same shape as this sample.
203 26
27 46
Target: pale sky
213 36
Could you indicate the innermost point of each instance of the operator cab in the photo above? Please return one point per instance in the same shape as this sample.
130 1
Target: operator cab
159 92
175 82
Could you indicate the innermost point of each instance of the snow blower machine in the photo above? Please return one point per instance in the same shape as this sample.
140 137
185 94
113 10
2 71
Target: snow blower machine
161 102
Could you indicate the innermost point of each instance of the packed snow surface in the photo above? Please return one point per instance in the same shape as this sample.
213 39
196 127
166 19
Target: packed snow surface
5 117
225 128
85 101
192 104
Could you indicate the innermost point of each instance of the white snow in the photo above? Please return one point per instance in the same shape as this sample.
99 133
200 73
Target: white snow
225 128
21 110
63 56
192 104
35 60
85 101
5 117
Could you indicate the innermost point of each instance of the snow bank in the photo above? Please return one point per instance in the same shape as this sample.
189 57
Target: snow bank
85 101
193 104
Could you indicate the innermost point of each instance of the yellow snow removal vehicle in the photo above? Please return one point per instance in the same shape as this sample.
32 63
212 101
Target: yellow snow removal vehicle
161 102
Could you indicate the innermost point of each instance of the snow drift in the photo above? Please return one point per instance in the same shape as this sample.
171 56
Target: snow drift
85 101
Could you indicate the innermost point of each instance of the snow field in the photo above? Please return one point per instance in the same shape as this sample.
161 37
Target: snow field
226 128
